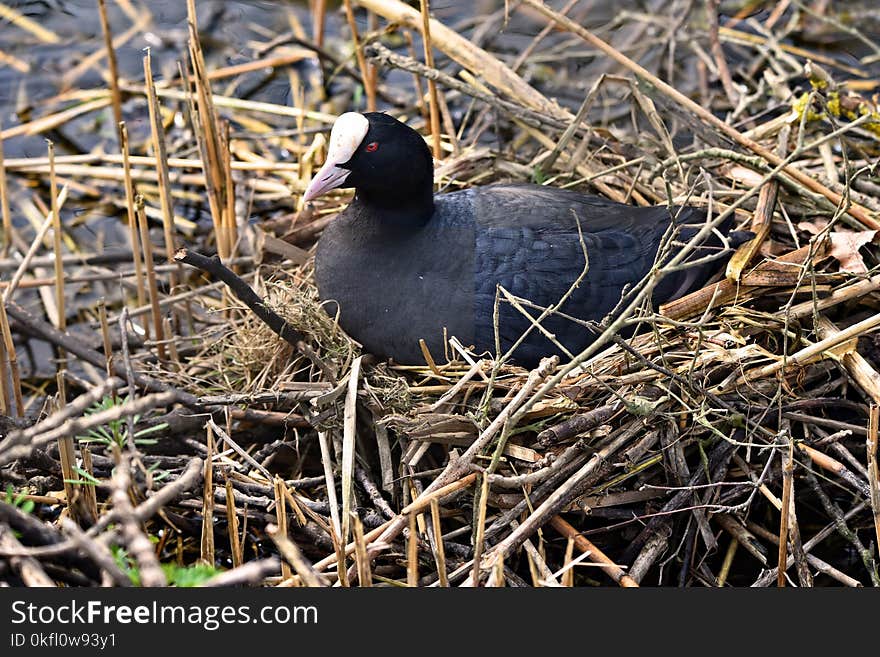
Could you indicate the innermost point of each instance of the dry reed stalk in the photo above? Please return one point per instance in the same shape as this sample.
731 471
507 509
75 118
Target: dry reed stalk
448 124
11 359
372 69
369 90
480 528
236 104
727 563
115 95
173 355
45 281
33 248
787 483
111 173
775 14
813 351
417 79
89 495
327 462
208 134
429 359
209 164
849 292
52 121
61 323
718 53
5 214
874 473
762 220
319 14
5 399
20 20
231 227
349 435
433 107
206 554
423 501
236 548
276 61
801 560
439 549
548 162
361 556
105 338
281 518
340 552
412 553
105 334
291 553
40 164
134 239
14 62
858 367
858 212
596 555
567 566
152 284
159 151
67 458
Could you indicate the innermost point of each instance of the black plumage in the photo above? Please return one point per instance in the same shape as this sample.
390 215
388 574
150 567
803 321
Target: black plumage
402 264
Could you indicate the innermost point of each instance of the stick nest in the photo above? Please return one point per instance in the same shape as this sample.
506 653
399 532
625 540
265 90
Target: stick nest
731 431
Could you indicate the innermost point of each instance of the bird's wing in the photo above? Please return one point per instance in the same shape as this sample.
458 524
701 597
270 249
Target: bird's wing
527 242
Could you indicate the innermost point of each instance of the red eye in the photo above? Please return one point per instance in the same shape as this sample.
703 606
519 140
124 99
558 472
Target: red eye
372 147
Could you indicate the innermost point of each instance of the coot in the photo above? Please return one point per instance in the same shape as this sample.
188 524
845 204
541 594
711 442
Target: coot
401 264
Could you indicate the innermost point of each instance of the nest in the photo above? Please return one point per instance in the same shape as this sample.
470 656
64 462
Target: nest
699 444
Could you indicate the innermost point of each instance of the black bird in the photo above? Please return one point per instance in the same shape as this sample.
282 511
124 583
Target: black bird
403 264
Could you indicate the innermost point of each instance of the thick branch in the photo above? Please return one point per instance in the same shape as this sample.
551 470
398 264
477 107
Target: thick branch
244 292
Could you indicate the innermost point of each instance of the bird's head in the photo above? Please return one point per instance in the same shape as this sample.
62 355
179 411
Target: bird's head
383 159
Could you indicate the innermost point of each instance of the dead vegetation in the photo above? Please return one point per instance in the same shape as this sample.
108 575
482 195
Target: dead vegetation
173 437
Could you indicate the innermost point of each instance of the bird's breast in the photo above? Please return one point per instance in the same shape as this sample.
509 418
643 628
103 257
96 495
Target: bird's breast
393 289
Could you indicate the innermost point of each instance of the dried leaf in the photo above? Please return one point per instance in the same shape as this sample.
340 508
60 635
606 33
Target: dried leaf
845 249
745 176
845 245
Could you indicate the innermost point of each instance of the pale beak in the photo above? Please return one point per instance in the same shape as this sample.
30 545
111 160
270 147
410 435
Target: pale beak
348 132
330 176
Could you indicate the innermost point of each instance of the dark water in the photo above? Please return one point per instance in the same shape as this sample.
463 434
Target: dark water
229 29
232 30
